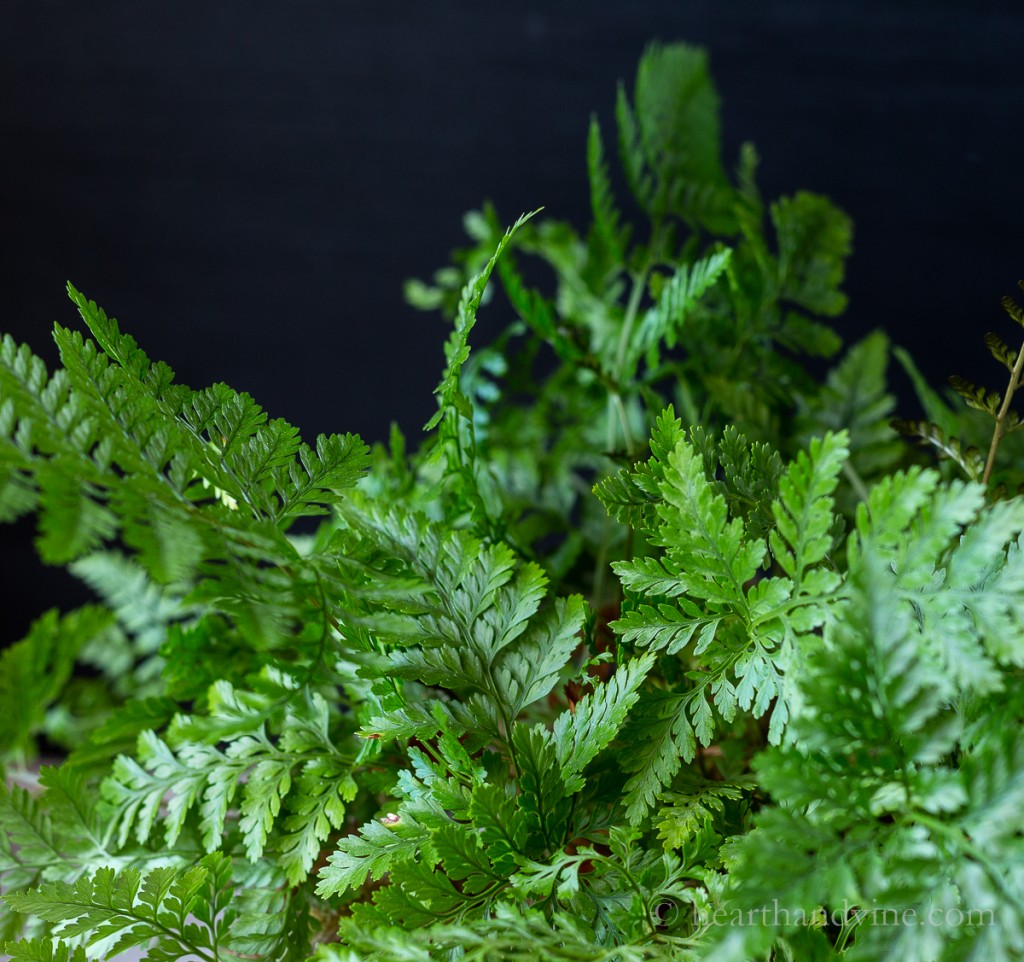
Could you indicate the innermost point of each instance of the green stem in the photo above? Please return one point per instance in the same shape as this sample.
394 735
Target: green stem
791 604
849 927
505 723
622 871
856 481
601 558
627 435
632 309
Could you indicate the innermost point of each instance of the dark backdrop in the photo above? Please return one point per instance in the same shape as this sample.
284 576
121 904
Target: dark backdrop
245 185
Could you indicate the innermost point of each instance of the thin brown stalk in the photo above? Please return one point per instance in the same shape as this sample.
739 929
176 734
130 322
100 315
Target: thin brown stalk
1004 410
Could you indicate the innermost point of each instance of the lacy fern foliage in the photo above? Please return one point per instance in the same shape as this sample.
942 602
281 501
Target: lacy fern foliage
657 647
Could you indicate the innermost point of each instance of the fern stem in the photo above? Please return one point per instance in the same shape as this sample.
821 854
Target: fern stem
1004 410
850 925
629 320
791 604
505 723
615 403
856 481
601 557
624 873
627 434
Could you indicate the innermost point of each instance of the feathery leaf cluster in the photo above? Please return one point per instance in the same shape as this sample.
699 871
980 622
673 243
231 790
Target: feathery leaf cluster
658 647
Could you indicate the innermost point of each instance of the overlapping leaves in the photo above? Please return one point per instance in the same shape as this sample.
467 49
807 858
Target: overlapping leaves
708 597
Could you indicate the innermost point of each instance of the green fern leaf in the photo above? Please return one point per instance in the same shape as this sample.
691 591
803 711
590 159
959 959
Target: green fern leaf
804 512
30 845
660 739
854 399
625 498
814 242
74 520
332 467
596 720
379 846
457 348
685 814
527 670
35 671
988 583
151 911
422 896
607 219
544 796
122 348
120 732
136 790
695 527
668 627
677 297
630 496
317 807
503 825
674 94
273 921
465 859
750 475
44 950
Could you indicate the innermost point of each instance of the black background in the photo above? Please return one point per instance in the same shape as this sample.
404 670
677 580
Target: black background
245 185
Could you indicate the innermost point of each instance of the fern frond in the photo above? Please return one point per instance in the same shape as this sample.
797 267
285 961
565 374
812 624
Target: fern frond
508 935
119 733
457 347
528 670
692 808
463 615
544 785
136 790
665 627
979 398
674 93
704 596
969 459
676 298
44 950
293 781
273 922
804 513
607 219
29 845
695 526
115 449
630 496
596 720
35 671
379 846
503 824
152 910
854 399
814 241
58 834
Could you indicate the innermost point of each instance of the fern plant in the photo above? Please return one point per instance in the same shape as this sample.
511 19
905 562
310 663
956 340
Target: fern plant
655 648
